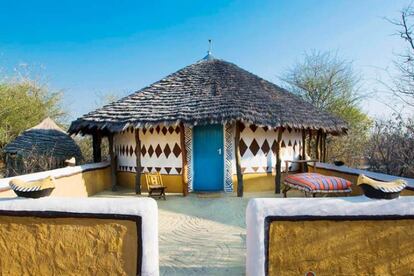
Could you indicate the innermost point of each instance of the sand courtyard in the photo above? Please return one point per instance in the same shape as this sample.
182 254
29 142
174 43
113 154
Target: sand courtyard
201 234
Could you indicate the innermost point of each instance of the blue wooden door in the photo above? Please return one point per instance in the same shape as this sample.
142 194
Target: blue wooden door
208 158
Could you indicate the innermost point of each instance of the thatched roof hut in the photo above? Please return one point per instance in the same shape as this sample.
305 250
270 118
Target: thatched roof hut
43 141
211 91
203 125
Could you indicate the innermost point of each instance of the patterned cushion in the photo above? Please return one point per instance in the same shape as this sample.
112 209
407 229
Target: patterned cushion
318 183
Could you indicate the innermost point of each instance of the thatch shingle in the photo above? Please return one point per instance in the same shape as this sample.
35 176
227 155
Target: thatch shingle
207 92
47 139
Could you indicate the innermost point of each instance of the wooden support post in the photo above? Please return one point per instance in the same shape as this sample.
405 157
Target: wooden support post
184 160
138 163
303 165
96 145
238 161
309 142
317 145
113 161
278 178
324 147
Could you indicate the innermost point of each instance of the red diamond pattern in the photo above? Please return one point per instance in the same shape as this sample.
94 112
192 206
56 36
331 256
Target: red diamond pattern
158 151
274 146
167 150
143 150
254 147
265 147
253 127
242 147
176 150
150 151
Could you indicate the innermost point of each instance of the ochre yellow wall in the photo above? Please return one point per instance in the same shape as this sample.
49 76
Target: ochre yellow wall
81 184
173 182
67 246
367 247
256 182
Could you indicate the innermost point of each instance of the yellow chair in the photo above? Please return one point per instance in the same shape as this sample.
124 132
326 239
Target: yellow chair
156 188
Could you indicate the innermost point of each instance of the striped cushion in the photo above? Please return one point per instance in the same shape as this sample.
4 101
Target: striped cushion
315 182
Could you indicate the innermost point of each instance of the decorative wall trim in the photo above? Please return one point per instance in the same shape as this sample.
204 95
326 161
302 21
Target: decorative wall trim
188 137
229 156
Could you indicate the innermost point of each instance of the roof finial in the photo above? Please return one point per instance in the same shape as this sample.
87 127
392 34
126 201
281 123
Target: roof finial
209 56
209 47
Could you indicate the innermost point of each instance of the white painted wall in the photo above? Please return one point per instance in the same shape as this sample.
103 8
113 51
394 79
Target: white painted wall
262 161
161 146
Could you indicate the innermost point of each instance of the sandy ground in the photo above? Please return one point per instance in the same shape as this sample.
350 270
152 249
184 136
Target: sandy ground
201 236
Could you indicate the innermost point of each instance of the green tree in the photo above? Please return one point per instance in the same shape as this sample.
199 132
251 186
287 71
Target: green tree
23 104
331 85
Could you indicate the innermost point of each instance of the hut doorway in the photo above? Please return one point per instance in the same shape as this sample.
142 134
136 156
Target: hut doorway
208 158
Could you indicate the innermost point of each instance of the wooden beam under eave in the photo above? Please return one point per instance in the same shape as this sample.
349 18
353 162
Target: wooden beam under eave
96 146
278 167
238 161
113 161
309 142
184 162
138 166
303 166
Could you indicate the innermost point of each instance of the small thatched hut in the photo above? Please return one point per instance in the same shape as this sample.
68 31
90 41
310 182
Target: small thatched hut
210 126
43 147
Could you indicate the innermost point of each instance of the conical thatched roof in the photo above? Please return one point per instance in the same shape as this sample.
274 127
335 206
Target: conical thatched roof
47 138
209 91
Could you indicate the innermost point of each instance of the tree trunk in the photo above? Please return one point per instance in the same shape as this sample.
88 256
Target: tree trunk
238 161
138 163
184 160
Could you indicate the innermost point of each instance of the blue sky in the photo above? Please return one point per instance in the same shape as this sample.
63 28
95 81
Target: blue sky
87 48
